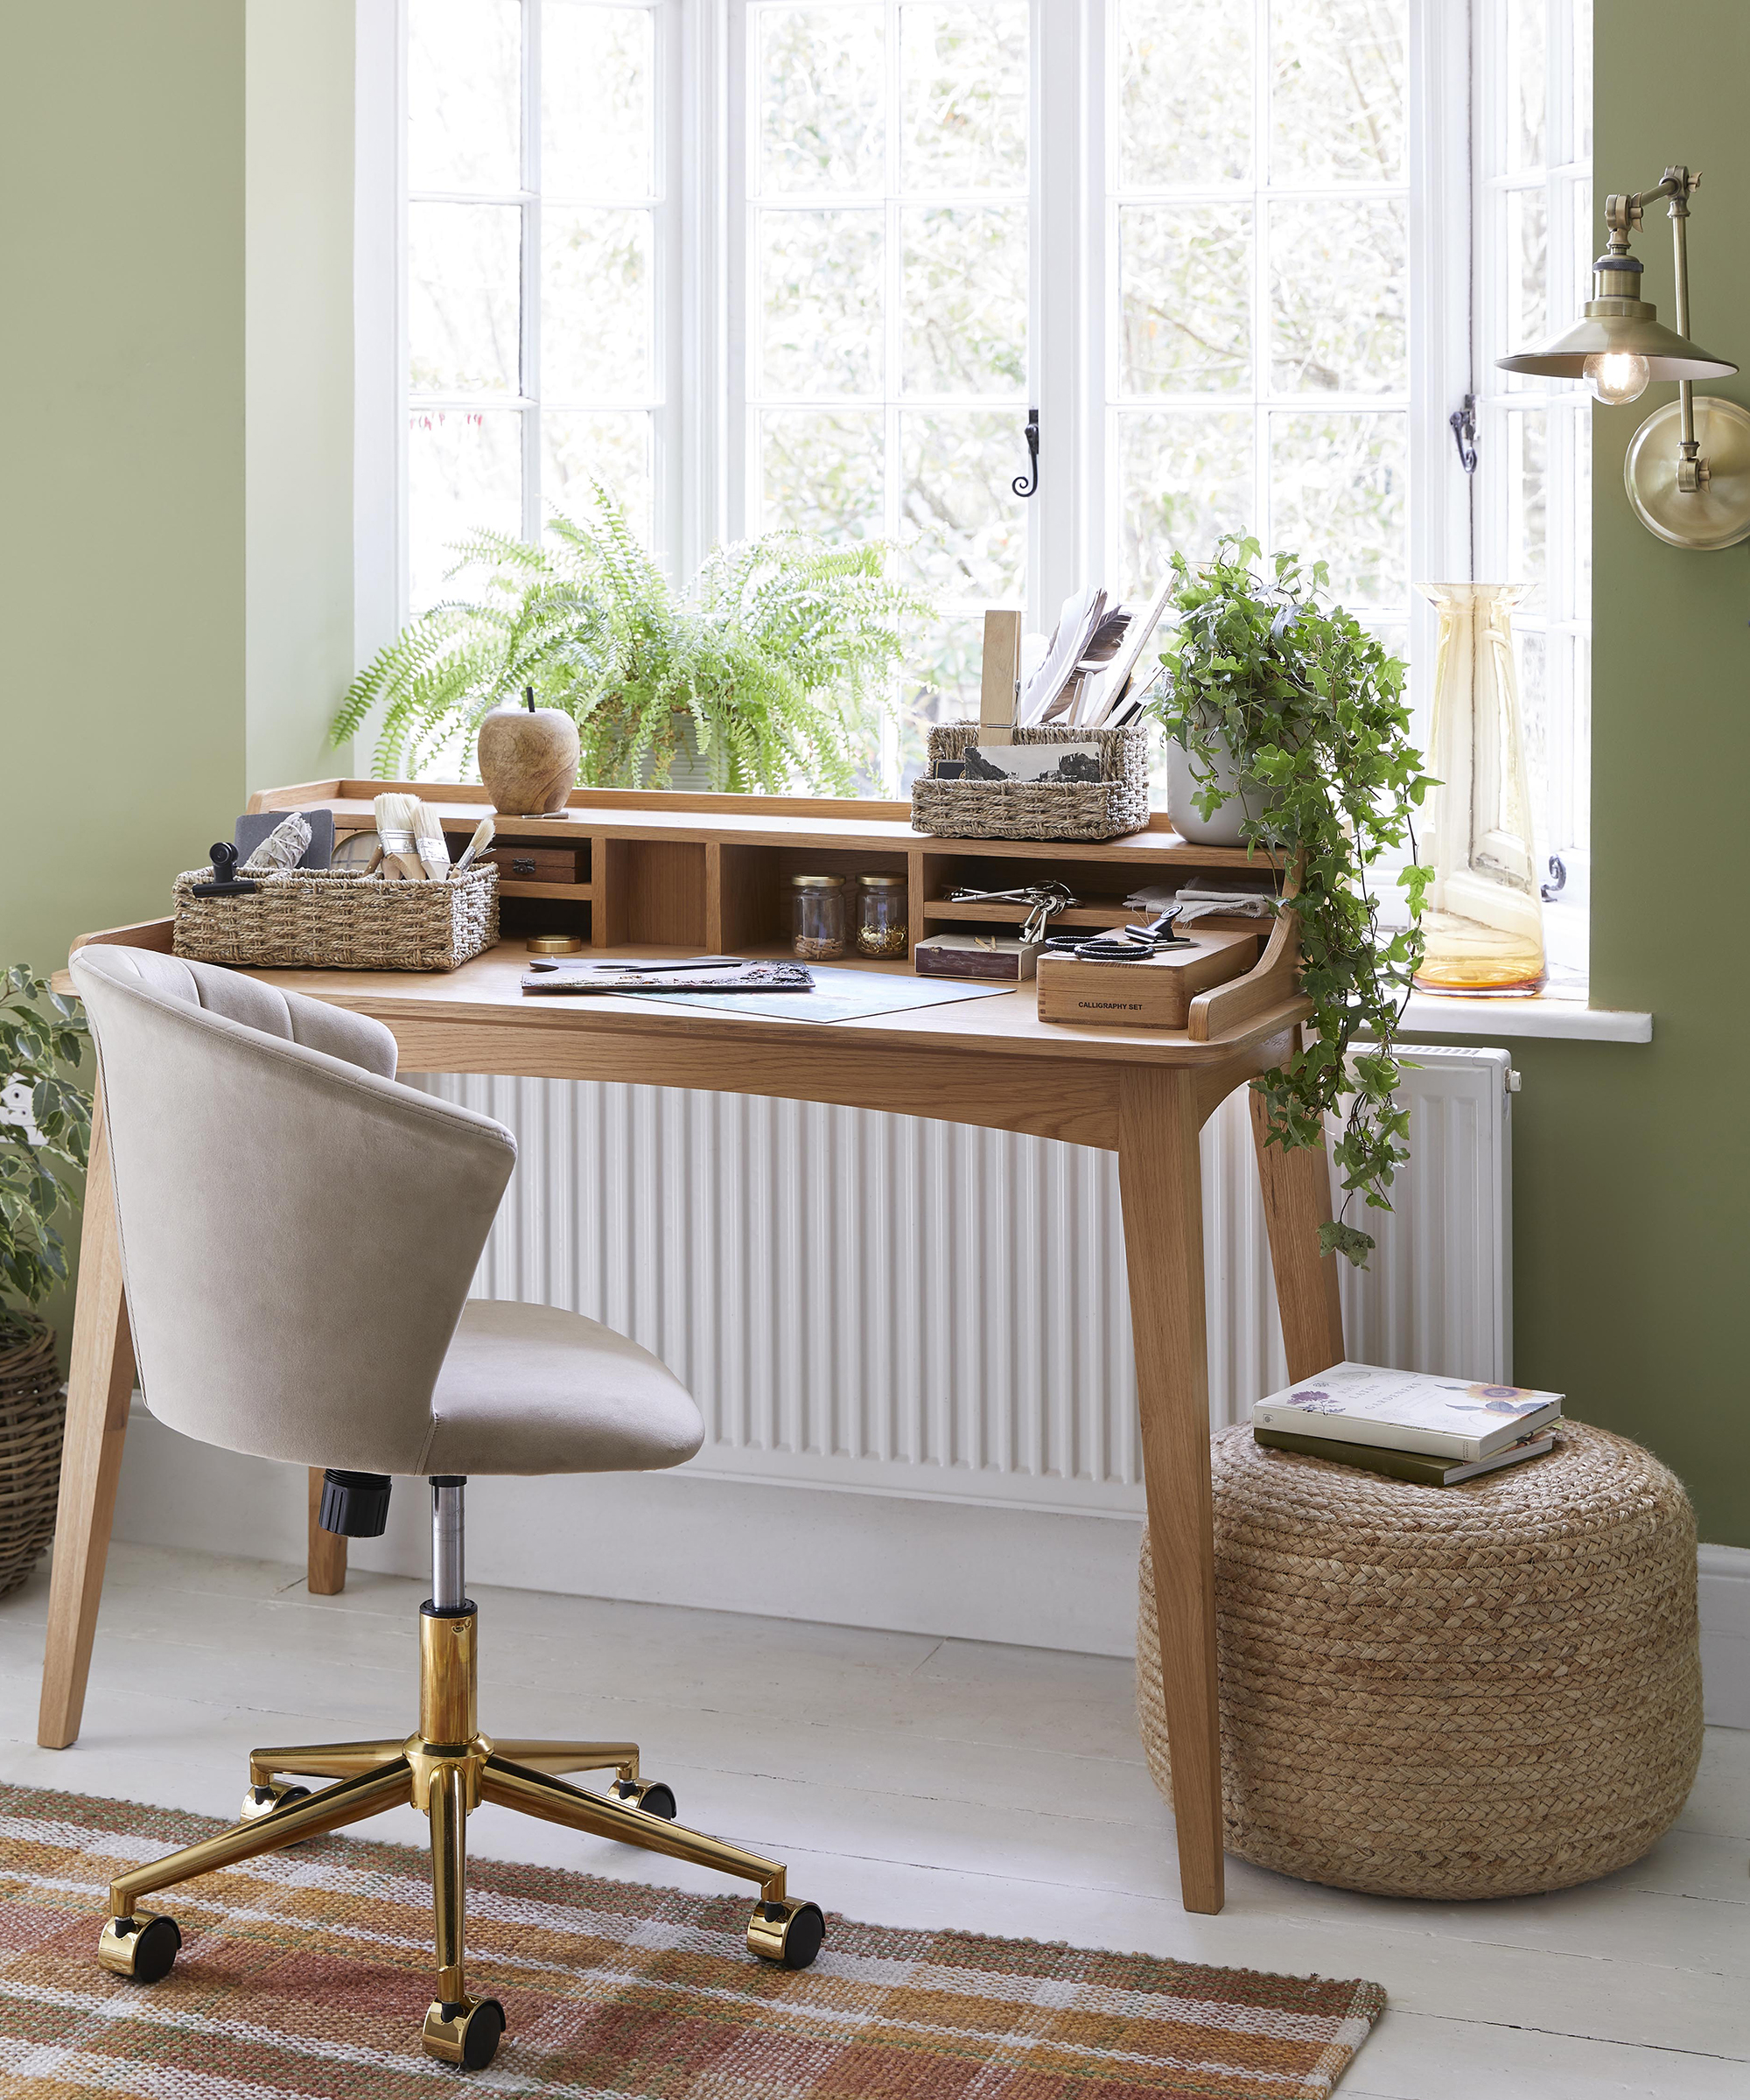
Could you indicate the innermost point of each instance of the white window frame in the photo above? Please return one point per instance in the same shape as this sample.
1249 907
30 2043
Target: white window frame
701 494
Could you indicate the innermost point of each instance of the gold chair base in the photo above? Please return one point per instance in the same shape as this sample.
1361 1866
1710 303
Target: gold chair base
447 1776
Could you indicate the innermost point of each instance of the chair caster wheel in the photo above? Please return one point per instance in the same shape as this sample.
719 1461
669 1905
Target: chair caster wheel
465 2034
787 1933
650 1794
142 1948
263 1801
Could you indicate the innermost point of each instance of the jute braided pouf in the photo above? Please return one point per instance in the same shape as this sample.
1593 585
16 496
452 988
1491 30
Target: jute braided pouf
1482 1691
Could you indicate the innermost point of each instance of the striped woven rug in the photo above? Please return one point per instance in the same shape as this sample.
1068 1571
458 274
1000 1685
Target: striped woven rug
307 1973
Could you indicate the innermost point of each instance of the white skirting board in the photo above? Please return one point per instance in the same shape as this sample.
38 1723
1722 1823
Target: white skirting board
968 1570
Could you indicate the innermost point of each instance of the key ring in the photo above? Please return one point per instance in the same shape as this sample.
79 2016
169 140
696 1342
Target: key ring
1045 898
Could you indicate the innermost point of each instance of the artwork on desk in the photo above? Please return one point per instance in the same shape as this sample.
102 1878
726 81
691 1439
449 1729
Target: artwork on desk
1032 765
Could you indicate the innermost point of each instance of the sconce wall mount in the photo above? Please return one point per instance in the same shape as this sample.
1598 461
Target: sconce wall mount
1687 472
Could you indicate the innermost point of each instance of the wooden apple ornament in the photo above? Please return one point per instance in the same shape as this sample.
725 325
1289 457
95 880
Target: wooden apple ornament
529 757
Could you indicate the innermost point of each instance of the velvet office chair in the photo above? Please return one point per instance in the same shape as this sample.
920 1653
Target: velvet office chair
268 1317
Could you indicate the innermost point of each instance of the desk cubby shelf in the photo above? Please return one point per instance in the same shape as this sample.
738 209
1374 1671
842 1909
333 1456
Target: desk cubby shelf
712 871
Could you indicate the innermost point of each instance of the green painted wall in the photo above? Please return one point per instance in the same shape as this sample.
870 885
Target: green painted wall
1631 1163
122 363
176 200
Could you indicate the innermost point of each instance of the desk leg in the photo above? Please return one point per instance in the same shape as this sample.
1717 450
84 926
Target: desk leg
1160 1186
99 1386
324 1559
1297 1202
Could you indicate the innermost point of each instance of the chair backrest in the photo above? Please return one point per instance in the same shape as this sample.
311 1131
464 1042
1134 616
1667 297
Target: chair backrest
298 1231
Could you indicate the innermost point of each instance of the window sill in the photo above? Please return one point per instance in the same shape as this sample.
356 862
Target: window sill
1568 1019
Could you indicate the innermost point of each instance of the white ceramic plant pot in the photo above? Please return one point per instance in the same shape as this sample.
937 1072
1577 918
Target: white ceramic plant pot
1223 828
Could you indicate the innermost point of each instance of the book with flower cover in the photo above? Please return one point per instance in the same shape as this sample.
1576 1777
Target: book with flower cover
1408 1411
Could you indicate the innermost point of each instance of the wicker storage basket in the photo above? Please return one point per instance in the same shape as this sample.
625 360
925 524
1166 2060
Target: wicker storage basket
1107 807
331 919
33 1412
1483 1691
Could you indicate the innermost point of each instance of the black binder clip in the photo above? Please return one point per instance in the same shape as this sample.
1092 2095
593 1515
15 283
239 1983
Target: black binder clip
226 880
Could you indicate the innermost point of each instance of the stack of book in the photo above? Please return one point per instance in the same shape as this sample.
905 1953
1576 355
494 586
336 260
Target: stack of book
1435 1431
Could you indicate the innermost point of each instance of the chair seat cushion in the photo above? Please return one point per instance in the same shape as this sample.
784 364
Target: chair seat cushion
531 1389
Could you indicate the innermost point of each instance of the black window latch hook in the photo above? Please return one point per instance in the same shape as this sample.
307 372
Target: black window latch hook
1462 423
1021 485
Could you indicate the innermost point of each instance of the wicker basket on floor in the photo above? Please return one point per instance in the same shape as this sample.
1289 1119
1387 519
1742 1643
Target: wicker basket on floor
33 1412
1482 1690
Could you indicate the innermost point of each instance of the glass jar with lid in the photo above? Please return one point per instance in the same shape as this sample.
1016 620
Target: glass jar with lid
882 921
817 916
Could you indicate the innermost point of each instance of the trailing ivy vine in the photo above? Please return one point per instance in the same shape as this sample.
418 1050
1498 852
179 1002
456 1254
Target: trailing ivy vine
1308 710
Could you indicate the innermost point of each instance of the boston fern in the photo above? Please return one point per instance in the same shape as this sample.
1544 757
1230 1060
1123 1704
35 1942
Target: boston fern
37 1048
1311 709
769 654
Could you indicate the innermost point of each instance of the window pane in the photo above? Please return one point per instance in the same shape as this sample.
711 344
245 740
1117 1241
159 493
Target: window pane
463 473
1185 478
819 303
823 119
1338 70
1185 285
1337 290
612 448
1525 306
598 101
1527 469
464 95
1337 496
964 299
596 317
940 683
822 474
964 95
1185 93
464 300
961 530
1526 90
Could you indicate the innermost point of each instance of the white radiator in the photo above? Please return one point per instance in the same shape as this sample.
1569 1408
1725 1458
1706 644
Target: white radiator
863 1300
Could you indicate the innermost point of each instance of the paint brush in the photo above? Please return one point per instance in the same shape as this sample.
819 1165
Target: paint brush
477 844
395 828
428 843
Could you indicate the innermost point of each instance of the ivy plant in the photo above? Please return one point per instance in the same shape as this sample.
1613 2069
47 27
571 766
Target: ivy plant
45 1134
1308 710
771 655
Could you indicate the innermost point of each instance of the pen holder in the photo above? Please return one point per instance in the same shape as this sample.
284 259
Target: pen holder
1115 804
334 919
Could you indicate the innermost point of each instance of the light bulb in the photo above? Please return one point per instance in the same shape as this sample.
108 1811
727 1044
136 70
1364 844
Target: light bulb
1616 377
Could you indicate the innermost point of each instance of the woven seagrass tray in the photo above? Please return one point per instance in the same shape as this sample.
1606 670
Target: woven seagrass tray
332 919
1107 807
31 1414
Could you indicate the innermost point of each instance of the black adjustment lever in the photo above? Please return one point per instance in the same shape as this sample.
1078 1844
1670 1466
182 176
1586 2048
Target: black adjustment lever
354 1505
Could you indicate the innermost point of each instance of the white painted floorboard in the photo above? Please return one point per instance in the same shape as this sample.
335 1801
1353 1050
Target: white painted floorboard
916 1781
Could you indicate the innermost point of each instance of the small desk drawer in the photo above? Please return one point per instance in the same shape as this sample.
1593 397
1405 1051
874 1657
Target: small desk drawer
539 863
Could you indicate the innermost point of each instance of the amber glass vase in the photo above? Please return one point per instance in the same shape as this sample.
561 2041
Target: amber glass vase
1483 922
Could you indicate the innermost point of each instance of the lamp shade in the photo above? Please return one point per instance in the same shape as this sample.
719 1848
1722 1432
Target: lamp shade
1668 356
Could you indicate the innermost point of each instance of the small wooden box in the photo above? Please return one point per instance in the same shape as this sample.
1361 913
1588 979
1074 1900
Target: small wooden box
536 863
1155 994
1000 960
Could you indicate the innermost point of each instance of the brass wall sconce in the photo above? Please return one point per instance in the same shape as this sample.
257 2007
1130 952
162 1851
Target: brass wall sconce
1688 469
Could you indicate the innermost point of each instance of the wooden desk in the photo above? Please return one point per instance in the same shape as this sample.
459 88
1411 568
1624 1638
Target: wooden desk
1143 1094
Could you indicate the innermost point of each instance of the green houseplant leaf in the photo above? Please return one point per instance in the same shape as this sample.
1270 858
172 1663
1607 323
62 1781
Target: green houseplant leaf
770 652
1310 710
45 1135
